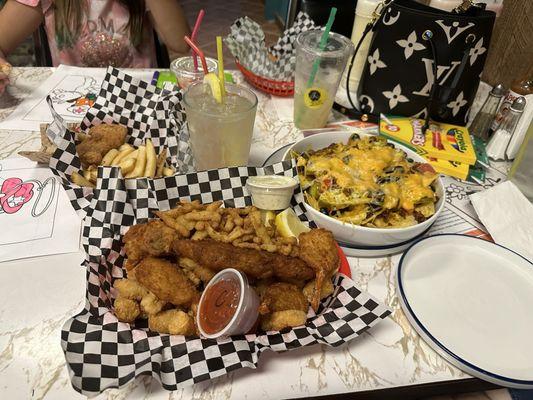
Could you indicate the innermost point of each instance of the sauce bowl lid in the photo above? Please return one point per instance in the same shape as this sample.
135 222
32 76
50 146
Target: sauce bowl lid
255 182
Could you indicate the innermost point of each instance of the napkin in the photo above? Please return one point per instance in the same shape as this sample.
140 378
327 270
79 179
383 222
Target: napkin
507 214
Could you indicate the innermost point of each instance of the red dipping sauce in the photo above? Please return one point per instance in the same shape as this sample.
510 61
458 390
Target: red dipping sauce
219 304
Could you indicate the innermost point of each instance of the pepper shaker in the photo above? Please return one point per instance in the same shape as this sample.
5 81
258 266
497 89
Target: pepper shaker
500 140
482 122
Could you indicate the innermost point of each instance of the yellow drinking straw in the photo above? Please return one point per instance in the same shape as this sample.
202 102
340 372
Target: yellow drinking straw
221 67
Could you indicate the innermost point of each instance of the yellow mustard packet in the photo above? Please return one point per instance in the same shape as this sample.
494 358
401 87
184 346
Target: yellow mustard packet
441 141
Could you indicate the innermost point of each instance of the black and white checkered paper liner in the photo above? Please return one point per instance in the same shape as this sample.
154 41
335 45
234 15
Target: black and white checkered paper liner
102 352
147 111
246 42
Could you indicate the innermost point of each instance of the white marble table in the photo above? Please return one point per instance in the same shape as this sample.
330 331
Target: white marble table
39 294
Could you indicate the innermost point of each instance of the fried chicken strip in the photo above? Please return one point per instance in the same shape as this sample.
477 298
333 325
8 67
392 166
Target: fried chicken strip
254 263
151 239
319 250
102 138
166 281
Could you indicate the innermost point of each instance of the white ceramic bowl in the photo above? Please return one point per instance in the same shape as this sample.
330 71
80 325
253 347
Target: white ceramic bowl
361 235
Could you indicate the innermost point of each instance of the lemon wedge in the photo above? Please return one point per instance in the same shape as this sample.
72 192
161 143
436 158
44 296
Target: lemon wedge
268 218
214 83
289 225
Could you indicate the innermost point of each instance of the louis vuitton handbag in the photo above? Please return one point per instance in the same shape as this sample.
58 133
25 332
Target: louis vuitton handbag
422 61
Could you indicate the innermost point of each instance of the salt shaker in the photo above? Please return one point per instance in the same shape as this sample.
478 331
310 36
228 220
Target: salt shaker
500 140
481 124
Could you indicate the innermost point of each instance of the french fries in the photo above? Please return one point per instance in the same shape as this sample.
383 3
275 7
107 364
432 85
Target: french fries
241 227
151 158
139 162
79 180
127 166
109 157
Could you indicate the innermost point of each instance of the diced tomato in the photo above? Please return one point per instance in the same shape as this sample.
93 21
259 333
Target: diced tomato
425 168
326 183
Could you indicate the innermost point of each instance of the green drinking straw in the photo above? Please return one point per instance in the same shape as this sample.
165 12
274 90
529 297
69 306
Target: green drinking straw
322 45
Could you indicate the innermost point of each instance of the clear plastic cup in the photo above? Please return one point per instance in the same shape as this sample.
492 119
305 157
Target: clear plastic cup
220 133
185 72
246 311
314 96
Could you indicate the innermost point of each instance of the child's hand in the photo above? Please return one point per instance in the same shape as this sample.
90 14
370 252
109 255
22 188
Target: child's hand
5 69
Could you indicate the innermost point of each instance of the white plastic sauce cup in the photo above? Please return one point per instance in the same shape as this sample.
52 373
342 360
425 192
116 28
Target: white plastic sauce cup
271 192
247 310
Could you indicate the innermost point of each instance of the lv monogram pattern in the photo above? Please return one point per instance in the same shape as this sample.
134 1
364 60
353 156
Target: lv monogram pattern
398 75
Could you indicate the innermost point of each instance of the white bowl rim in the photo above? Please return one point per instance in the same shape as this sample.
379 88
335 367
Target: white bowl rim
411 154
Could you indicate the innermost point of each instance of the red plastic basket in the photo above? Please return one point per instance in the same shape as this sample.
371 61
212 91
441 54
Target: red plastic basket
277 88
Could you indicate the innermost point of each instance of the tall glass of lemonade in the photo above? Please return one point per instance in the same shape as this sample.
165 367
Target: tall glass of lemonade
220 132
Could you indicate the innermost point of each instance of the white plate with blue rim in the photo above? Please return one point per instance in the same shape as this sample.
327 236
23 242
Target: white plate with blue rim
472 302
349 249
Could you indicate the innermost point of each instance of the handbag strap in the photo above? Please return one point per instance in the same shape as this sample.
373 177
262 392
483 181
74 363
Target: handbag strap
377 14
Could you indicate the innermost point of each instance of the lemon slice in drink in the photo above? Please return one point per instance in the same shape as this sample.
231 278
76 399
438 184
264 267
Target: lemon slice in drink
214 83
288 224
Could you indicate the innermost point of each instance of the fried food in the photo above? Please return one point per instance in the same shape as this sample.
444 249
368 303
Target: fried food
5 68
254 263
325 291
151 160
203 273
175 322
319 250
126 310
223 255
150 304
290 269
166 281
130 289
242 227
283 319
205 238
79 180
102 138
282 296
151 239
140 163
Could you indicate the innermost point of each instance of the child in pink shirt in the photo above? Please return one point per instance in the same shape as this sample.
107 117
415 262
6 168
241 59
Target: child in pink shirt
95 33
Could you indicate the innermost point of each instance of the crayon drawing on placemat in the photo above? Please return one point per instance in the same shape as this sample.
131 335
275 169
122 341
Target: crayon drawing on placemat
73 91
35 213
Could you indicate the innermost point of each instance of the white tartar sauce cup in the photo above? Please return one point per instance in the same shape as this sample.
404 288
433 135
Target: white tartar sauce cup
271 192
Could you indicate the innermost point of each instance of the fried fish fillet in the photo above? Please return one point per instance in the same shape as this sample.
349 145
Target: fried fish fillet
102 138
254 263
282 296
152 239
319 250
166 281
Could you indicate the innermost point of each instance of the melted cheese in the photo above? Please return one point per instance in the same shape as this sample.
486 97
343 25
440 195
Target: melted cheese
347 178
413 190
